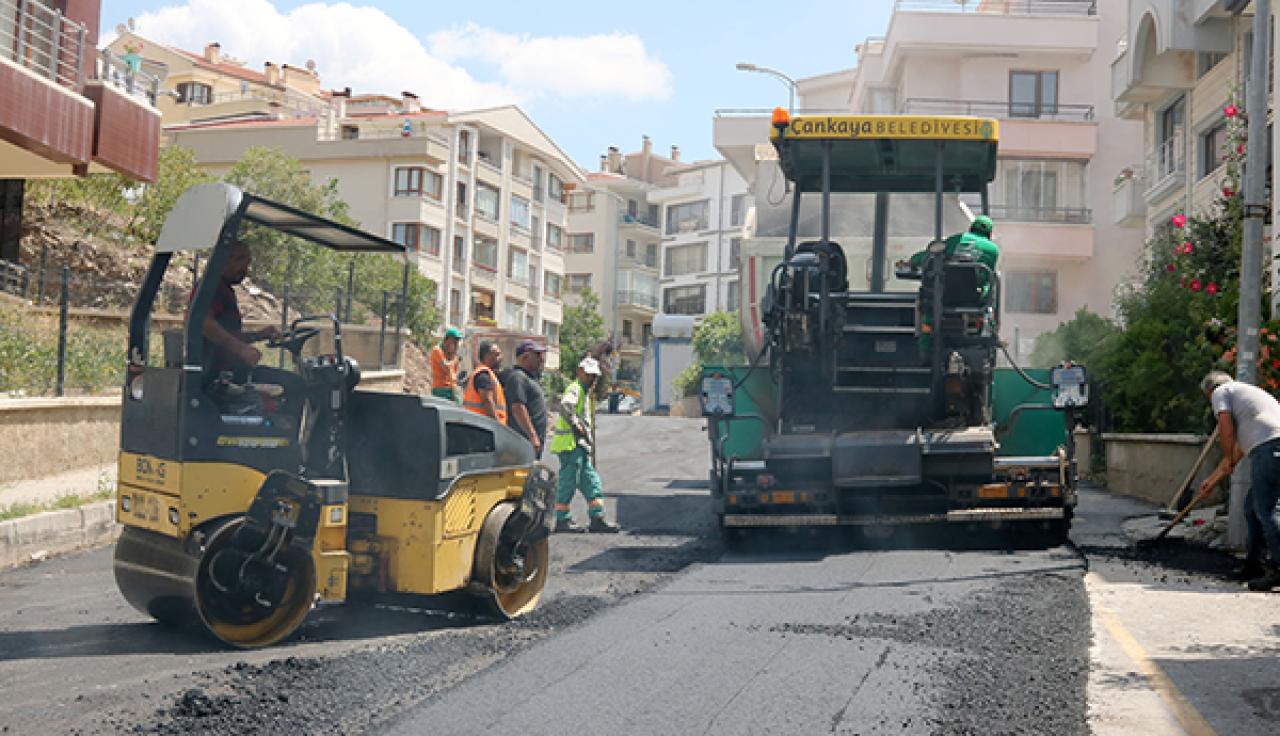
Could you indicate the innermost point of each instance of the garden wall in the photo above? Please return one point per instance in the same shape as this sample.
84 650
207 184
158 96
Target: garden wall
1151 466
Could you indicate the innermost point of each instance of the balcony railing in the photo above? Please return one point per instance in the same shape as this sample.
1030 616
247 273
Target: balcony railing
41 39
627 297
1052 215
645 220
1167 163
380 133
305 105
993 109
1001 7
126 76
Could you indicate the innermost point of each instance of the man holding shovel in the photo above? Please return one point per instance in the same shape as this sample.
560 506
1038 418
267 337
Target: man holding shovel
1249 424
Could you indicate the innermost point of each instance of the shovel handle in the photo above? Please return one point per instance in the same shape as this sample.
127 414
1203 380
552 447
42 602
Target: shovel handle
1177 519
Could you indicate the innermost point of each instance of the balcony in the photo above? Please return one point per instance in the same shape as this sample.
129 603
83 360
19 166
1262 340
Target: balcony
1128 203
1052 215
1000 7
644 301
385 140
1157 56
488 172
640 221
995 109
1168 169
1014 26
484 274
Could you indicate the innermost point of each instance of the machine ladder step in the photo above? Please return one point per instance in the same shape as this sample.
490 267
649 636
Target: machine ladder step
880 329
901 390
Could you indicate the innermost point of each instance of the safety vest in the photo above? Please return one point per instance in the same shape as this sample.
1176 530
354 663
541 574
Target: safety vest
444 372
475 402
562 438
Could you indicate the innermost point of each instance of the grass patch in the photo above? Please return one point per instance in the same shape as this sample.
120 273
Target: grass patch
29 354
67 501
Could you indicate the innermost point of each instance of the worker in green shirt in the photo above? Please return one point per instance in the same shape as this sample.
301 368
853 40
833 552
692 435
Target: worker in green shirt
976 242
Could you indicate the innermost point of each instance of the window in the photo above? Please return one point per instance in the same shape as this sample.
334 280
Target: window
520 213
513 315
685 300
555 188
551 284
1206 61
1032 292
582 201
487 202
459 254
462 200
415 181
416 236
1213 149
1033 94
637 288
535 232
578 282
464 439
626 330
1169 147
687 218
737 210
1029 190
646 334
686 259
350 132
735 253
551 331
482 306
455 307
518 265
464 147
631 249
651 255
194 93
582 243
539 176
555 234
732 302
486 254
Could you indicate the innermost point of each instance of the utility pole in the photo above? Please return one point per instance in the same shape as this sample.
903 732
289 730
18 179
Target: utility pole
1251 256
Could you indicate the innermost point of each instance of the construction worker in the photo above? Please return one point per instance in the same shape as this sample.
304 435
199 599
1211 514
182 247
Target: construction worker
444 361
572 443
1249 426
524 392
484 394
976 243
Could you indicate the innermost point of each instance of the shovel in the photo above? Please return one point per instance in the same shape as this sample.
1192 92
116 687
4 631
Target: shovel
1195 501
1191 476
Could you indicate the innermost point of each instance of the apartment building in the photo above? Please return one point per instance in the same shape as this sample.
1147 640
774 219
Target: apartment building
66 108
703 212
479 196
210 85
1042 69
615 245
1175 69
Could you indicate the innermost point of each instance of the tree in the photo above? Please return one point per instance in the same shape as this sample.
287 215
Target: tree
717 341
1078 341
581 331
176 172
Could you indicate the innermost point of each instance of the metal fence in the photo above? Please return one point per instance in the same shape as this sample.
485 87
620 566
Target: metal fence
997 109
43 40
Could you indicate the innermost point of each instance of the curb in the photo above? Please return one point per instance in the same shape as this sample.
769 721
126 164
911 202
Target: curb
32 538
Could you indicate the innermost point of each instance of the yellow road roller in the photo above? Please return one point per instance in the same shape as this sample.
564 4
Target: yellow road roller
250 494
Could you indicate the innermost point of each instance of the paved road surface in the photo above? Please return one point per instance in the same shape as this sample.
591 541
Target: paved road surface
660 631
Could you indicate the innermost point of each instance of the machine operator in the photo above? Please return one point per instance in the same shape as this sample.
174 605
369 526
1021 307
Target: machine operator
228 348
976 243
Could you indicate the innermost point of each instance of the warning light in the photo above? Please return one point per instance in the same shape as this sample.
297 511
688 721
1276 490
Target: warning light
781 118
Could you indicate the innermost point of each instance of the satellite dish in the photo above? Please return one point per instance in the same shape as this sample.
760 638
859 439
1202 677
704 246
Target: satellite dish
311 65
132 24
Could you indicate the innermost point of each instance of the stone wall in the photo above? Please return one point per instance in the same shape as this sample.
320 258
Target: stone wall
1152 466
41 437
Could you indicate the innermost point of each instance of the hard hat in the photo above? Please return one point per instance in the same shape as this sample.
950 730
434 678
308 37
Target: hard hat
589 366
982 225
453 332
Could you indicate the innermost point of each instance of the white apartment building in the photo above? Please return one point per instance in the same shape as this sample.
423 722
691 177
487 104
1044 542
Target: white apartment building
1043 69
703 212
1174 71
615 246
478 196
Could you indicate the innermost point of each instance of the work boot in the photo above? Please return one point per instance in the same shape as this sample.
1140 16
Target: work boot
1250 570
566 526
1266 582
600 526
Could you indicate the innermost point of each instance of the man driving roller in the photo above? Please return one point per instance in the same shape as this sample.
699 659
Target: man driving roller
227 346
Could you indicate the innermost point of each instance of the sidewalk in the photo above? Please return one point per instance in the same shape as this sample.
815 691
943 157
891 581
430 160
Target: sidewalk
79 482
35 536
1177 647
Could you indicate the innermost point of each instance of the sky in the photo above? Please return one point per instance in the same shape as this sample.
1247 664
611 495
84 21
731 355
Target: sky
590 74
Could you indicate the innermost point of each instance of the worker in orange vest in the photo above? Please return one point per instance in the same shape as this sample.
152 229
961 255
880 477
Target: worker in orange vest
484 394
444 361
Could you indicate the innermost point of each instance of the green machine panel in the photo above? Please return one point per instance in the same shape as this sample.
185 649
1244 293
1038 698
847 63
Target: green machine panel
1036 432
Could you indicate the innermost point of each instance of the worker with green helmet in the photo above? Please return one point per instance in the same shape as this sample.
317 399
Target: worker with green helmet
976 243
444 361
573 441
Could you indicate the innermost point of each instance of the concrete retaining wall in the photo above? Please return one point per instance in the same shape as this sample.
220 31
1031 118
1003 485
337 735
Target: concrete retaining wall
42 437
55 532
1151 466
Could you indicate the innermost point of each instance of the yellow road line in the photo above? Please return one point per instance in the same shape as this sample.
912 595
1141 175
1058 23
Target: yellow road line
1190 719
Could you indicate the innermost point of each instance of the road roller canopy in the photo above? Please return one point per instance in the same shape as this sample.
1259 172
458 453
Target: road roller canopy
887 153
205 211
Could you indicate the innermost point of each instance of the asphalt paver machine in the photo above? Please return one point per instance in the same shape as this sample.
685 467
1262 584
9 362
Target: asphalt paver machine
242 519
871 408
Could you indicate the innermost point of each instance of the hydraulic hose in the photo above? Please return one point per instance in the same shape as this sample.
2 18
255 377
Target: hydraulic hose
1025 377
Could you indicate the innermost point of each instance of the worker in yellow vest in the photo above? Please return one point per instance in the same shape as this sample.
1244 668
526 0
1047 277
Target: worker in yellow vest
484 394
572 443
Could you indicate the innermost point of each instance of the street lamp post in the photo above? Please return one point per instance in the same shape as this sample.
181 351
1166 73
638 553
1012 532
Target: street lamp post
743 66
